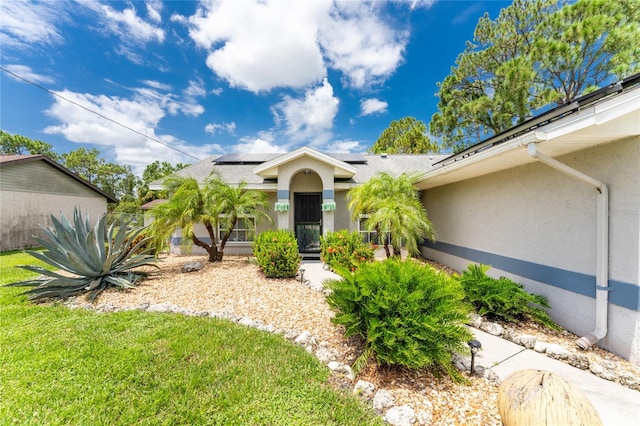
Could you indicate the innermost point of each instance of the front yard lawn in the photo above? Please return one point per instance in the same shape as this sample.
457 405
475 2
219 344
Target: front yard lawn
61 366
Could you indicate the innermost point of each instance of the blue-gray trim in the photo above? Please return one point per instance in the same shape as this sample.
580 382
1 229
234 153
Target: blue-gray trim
283 194
176 241
621 293
327 194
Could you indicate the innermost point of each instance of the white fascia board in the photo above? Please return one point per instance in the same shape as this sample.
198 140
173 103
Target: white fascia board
513 144
616 107
594 115
269 169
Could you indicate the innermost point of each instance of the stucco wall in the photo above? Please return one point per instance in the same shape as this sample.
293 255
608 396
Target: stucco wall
30 193
539 226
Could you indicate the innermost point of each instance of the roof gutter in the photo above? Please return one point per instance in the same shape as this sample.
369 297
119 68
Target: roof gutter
602 244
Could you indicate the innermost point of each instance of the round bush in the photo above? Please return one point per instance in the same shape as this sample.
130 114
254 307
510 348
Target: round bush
277 254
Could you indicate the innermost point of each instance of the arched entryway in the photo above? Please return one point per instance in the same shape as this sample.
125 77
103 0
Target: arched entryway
306 186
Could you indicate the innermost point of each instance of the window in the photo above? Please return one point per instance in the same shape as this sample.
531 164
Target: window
367 236
244 231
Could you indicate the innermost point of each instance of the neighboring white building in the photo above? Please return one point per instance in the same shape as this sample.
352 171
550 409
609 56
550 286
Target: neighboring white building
32 188
554 204
531 202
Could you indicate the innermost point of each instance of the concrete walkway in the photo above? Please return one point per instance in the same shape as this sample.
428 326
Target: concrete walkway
616 404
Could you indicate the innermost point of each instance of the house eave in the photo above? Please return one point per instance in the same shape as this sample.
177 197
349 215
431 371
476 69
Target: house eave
613 119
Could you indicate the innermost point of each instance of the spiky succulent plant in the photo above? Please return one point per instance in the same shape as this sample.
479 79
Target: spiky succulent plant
97 257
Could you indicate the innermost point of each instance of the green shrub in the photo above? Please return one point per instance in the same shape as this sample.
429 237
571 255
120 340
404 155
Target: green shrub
277 254
407 313
503 298
96 256
345 250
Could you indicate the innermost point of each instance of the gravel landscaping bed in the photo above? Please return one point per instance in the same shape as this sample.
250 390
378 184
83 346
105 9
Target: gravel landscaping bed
235 289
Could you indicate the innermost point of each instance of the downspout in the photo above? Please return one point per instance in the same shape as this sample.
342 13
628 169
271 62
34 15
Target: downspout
602 245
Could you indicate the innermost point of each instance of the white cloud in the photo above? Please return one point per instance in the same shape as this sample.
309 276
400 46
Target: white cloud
259 45
257 146
213 128
157 85
128 25
141 113
154 8
359 44
27 73
131 29
196 89
170 102
345 146
309 118
373 105
26 24
415 4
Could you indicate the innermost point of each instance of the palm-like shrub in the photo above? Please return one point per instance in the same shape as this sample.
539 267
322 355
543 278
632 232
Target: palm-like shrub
407 313
394 211
97 257
503 298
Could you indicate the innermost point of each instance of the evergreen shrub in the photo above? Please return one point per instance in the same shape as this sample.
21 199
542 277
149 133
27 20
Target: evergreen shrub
503 298
277 254
408 314
345 250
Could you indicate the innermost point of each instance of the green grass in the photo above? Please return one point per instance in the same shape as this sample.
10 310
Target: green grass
61 366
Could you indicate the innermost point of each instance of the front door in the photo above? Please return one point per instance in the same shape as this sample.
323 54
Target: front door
308 221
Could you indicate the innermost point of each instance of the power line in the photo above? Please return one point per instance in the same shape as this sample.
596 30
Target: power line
95 112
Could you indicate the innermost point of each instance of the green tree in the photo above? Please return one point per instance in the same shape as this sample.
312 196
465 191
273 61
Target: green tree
152 172
84 162
21 145
215 204
405 136
111 179
534 54
394 211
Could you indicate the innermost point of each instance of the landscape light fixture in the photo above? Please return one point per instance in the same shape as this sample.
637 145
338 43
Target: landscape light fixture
475 346
301 275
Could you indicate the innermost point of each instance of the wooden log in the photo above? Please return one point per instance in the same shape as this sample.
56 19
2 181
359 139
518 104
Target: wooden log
535 397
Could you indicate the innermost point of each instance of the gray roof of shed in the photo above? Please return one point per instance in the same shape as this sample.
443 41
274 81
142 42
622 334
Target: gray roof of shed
18 159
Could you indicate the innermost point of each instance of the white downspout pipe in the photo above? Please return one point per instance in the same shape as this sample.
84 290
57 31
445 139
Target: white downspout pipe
602 245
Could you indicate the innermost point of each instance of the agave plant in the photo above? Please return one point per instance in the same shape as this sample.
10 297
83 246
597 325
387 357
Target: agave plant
97 257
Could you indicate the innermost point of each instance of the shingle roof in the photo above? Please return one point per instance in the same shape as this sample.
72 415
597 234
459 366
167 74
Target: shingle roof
234 173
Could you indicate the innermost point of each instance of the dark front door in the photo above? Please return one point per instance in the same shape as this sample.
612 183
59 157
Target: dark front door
308 221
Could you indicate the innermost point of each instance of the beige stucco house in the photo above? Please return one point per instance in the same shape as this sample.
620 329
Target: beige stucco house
306 188
553 203
32 188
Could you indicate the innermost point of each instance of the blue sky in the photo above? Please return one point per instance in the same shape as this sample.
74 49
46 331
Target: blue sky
224 76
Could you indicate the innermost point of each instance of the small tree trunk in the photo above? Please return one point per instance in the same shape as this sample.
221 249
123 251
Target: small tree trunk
210 249
385 244
534 397
227 234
